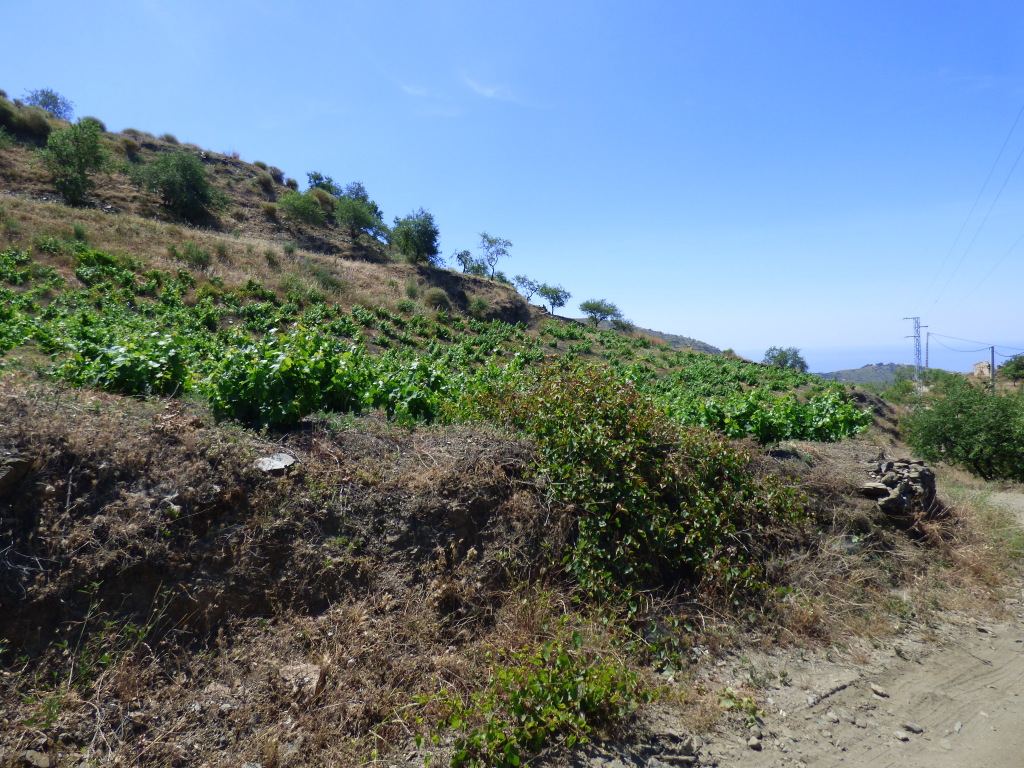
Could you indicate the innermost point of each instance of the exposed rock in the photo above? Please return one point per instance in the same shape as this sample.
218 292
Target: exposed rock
754 743
35 759
12 470
909 725
275 464
879 691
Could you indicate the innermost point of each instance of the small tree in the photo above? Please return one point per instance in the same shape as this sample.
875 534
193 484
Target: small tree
555 295
356 191
356 216
526 286
52 102
1013 368
494 249
470 264
599 310
789 357
416 236
180 180
71 156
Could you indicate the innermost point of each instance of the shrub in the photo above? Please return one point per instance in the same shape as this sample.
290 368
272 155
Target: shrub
261 165
264 181
291 184
71 156
191 254
269 210
180 180
79 233
99 123
170 138
437 299
221 249
323 197
412 289
6 139
478 308
130 147
655 504
33 122
289 248
276 174
967 425
51 101
304 208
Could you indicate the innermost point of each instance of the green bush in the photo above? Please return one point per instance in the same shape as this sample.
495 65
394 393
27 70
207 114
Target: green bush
264 181
302 207
180 180
436 298
655 504
33 122
71 156
130 147
99 123
555 690
970 426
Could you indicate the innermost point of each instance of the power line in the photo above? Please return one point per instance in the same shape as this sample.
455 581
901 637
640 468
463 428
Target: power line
974 204
952 349
978 230
985 344
987 275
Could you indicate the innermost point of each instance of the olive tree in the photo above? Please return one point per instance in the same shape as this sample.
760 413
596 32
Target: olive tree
71 156
555 295
416 236
599 310
789 357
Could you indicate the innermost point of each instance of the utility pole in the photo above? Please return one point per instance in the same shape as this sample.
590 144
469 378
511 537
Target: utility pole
992 367
917 346
927 346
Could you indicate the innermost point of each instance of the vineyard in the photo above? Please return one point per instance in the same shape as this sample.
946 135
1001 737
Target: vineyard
268 362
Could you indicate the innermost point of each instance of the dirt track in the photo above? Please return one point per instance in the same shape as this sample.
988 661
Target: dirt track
960 683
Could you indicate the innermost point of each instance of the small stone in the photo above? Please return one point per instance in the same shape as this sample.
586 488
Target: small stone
846 716
832 717
901 735
753 742
958 727
879 691
910 725
35 759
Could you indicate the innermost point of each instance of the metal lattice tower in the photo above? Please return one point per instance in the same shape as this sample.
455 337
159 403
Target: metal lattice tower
917 346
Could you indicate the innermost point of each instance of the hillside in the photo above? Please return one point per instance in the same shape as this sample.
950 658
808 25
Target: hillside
280 492
876 373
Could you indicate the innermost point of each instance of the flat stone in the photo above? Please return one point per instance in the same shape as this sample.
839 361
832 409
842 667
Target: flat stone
901 735
910 725
275 464
879 691
875 490
35 759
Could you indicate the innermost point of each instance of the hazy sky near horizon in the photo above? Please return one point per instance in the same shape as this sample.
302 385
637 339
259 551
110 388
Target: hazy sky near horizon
750 174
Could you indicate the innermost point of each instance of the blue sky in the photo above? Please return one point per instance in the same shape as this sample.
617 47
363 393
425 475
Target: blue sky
799 173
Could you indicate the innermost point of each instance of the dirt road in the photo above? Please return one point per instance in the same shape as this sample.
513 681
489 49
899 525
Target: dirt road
951 694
